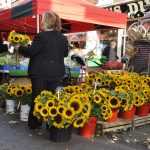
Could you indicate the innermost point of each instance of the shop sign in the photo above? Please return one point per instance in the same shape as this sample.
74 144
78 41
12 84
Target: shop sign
133 9
4 4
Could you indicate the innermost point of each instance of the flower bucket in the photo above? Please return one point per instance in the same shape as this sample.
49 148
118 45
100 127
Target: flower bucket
60 135
89 128
10 106
143 110
114 117
24 112
129 114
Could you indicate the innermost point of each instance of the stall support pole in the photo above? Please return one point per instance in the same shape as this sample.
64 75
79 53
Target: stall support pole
149 65
124 40
38 23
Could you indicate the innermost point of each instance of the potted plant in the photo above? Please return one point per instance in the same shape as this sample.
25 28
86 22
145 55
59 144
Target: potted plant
6 91
62 112
22 94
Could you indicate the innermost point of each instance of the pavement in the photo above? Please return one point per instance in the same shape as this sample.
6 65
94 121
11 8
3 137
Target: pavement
15 135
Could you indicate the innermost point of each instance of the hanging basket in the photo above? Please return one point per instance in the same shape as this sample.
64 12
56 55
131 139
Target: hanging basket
114 117
89 128
129 114
143 110
60 135
10 106
24 112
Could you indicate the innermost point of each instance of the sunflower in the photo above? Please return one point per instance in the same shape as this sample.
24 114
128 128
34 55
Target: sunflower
38 107
124 102
86 108
136 103
79 122
44 112
21 37
142 101
136 97
97 99
58 121
145 92
53 111
12 92
8 91
23 87
68 113
10 38
16 38
28 90
98 79
76 104
19 92
60 109
113 102
50 103
104 107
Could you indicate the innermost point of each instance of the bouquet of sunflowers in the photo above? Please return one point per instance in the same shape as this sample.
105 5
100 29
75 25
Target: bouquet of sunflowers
17 92
16 38
70 108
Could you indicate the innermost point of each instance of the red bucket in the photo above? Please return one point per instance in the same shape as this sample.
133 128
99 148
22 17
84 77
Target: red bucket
114 117
143 110
89 128
129 114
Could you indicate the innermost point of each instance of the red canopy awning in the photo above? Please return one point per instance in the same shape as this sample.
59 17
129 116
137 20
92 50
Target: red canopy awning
77 15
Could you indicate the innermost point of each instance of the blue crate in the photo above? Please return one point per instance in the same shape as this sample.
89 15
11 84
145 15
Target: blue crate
21 67
4 67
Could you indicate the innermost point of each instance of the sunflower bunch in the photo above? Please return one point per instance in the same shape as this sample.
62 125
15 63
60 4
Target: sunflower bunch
4 92
16 38
106 112
138 99
68 110
20 93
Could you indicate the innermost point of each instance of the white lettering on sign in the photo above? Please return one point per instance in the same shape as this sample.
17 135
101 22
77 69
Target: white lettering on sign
133 10
117 9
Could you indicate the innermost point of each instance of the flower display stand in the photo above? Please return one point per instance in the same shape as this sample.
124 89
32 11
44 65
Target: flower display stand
122 124
140 121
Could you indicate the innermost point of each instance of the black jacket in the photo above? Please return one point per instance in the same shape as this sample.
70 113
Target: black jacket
47 54
106 52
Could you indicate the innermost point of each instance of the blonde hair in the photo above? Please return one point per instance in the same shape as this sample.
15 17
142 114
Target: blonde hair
52 21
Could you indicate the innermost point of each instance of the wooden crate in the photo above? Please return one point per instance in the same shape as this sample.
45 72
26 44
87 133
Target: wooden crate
116 126
122 124
140 121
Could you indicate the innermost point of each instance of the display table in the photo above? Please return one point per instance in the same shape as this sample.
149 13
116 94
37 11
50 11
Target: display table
5 75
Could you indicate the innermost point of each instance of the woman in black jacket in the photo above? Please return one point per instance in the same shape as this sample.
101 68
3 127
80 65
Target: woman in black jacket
46 66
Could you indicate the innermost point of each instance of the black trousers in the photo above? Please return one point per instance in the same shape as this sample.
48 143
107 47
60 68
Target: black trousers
39 84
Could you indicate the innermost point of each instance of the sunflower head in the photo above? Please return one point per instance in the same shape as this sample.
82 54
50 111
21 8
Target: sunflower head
58 121
114 102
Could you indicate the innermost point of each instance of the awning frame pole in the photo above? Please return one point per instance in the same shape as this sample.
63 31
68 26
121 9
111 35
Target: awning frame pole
38 23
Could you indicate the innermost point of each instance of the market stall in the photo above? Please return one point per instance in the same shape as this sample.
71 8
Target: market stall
104 96
76 16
